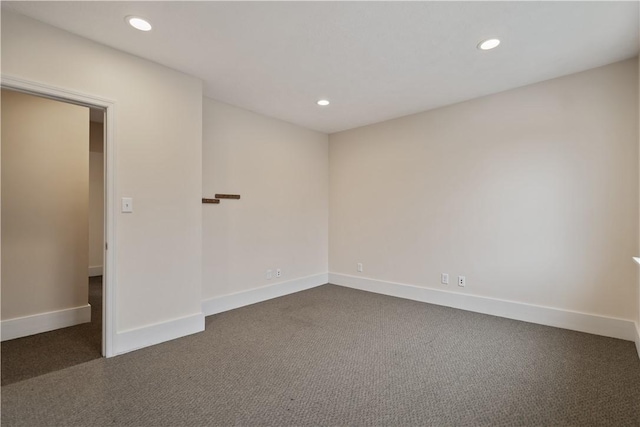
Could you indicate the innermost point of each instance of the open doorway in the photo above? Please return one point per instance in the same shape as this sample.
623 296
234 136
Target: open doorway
53 226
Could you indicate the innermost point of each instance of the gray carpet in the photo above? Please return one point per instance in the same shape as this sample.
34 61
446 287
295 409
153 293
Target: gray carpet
39 354
337 356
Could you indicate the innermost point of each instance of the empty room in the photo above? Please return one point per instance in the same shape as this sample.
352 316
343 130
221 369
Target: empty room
322 213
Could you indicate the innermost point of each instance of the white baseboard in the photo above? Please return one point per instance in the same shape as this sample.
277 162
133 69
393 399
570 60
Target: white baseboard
137 338
96 270
583 322
44 322
255 295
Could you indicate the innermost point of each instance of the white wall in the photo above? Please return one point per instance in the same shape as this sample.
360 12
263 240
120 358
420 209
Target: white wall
158 138
638 247
281 221
532 194
96 199
45 198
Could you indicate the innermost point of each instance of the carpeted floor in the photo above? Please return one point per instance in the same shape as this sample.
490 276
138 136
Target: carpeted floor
338 356
39 354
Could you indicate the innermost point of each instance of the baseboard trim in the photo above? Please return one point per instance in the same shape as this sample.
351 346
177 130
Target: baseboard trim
256 295
44 322
576 321
135 339
95 270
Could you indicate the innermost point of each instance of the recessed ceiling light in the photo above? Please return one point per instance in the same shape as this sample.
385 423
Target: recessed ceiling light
138 23
488 44
323 102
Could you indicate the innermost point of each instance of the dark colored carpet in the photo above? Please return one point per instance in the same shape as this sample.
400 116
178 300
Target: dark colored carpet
39 354
338 356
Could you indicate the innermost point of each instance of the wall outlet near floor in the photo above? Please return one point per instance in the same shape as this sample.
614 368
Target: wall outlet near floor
359 266
444 278
268 275
462 281
278 272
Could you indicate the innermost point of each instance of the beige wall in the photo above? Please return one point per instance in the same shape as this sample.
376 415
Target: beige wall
96 197
532 194
158 143
281 221
45 195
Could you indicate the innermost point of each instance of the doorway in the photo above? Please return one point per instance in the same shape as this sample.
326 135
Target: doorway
86 340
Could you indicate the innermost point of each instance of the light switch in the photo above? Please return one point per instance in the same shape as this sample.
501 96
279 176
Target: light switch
127 204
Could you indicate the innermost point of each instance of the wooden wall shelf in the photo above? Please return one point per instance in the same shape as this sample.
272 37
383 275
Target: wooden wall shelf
214 201
227 196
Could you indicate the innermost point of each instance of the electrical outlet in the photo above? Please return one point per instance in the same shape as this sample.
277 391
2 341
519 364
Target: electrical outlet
462 281
444 278
268 275
359 267
278 272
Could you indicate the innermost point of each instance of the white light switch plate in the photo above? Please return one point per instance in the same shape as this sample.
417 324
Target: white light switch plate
127 204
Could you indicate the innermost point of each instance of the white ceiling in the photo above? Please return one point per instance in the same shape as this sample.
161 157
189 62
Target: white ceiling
373 60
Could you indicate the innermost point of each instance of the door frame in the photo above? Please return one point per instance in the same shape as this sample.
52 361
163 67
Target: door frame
110 206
